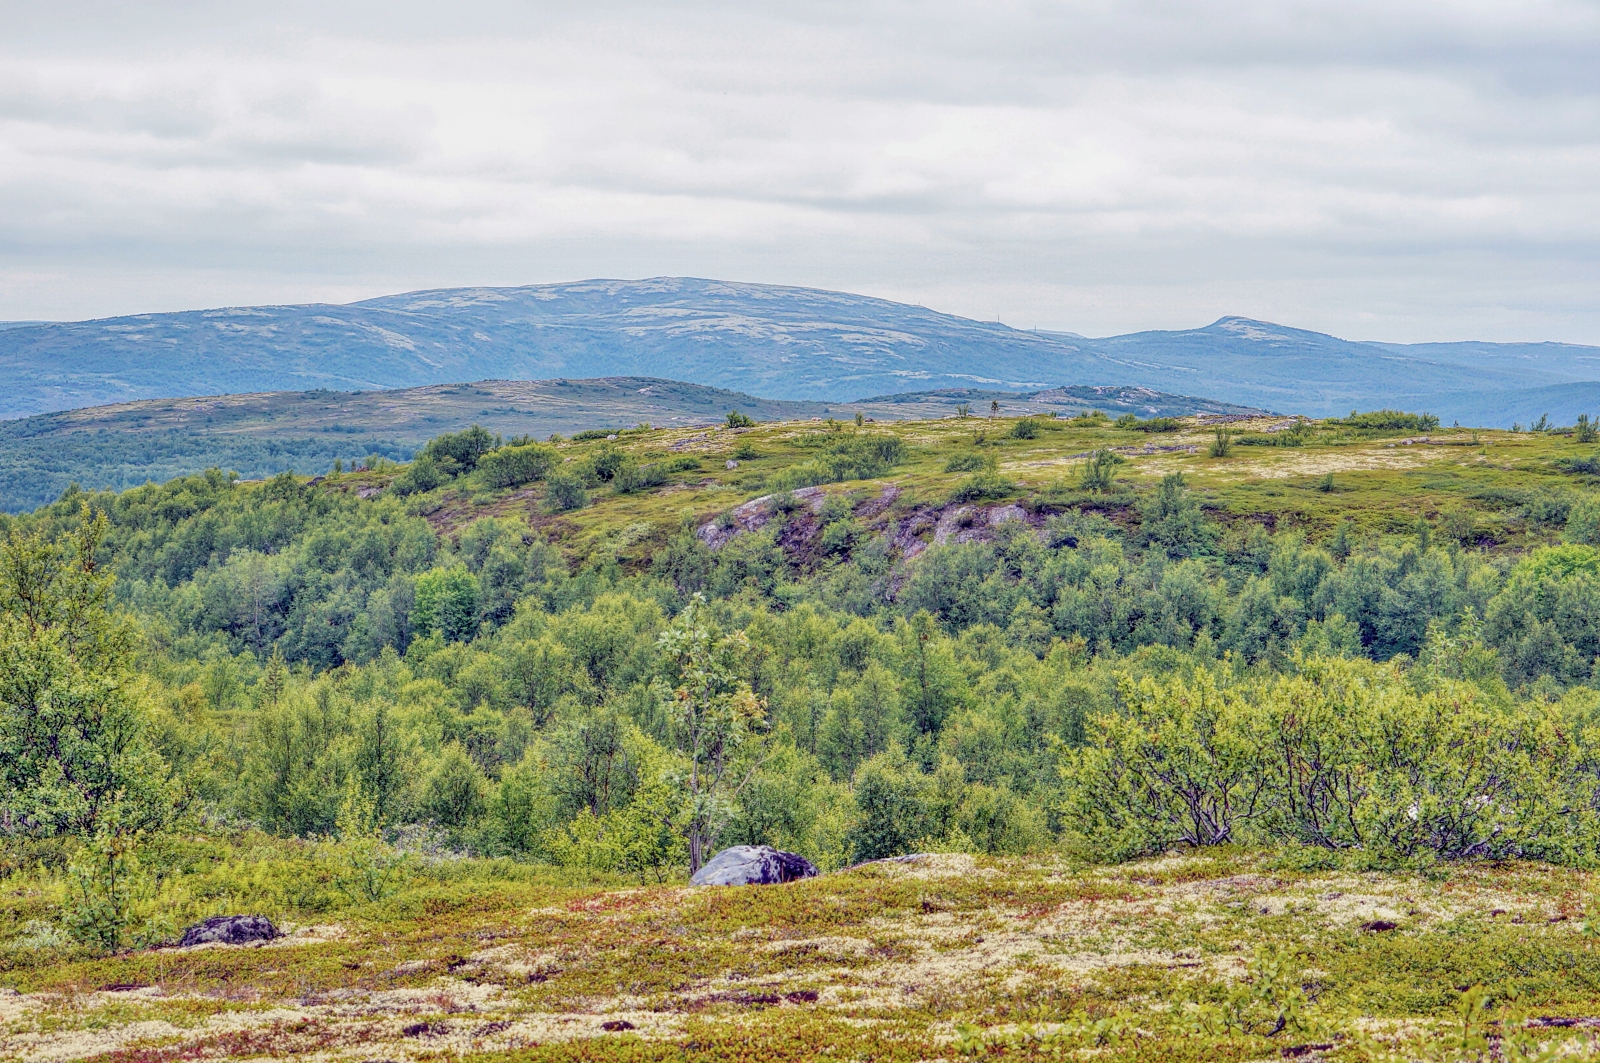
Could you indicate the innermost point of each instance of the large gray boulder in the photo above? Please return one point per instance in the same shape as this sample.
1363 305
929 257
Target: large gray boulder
230 930
752 865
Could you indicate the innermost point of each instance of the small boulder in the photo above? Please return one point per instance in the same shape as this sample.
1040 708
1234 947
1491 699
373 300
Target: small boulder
752 865
230 930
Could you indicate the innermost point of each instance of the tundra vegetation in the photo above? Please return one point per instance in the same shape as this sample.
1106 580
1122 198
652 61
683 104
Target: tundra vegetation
1291 750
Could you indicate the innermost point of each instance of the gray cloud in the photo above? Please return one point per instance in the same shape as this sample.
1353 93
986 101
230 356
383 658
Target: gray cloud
1384 170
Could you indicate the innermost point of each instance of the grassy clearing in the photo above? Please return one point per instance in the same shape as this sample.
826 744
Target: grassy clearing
1481 486
1226 955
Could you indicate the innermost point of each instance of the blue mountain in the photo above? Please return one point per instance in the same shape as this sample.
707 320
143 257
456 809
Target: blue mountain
767 340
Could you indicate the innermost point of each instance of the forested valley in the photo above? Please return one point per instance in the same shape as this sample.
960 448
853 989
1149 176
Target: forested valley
606 658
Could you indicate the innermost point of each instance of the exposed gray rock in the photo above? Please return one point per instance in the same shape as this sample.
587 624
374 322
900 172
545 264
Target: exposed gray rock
230 930
752 865
754 515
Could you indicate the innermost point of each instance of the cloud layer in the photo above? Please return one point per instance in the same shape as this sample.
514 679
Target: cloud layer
1385 170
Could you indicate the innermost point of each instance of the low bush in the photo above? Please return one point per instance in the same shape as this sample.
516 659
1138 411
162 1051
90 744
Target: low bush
565 492
423 474
1100 471
1344 755
1131 423
518 465
853 456
983 485
1390 420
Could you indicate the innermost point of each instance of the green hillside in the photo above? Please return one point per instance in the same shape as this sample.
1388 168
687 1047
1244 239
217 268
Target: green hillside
128 444
1112 738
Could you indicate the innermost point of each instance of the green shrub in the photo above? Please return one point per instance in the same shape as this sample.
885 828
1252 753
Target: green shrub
630 477
604 463
890 797
1100 470
460 451
739 420
1171 520
852 456
1342 755
105 878
565 492
983 485
969 462
1130 422
1583 523
1390 420
517 465
446 604
423 474
454 793
1025 428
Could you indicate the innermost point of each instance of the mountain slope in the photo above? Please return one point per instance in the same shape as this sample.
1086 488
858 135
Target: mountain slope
783 342
790 343
1561 403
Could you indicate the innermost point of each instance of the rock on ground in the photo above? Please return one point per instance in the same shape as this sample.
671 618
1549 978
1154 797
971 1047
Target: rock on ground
230 930
752 865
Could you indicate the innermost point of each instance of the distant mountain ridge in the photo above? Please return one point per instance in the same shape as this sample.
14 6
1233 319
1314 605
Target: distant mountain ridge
780 342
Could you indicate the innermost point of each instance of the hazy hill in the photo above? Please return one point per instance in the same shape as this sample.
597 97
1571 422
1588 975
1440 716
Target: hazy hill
1561 403
126 444
783 342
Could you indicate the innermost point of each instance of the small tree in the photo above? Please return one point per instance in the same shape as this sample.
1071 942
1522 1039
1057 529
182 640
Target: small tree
739 420
1171 519
1221 443
446 604
565 492
717 719
75 752
1100 471
1588 431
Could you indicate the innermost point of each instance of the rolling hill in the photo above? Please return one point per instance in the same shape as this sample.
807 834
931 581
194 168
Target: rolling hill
126 444
784 342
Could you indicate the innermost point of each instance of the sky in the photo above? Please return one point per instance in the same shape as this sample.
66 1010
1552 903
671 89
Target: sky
1378 169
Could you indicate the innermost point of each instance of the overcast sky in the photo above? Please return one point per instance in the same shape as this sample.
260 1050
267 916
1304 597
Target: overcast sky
1379 169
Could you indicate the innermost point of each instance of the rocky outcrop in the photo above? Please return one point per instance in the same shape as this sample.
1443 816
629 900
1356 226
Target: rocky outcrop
753 865
230 930
754 515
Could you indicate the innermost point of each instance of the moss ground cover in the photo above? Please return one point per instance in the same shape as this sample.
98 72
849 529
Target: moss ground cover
1228 955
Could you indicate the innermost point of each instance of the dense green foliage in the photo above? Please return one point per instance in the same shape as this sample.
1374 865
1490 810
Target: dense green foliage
35 471
1105 667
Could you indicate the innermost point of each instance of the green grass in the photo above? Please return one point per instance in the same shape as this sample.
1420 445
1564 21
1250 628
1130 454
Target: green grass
1381 485
127 444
